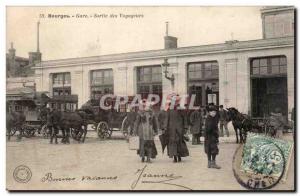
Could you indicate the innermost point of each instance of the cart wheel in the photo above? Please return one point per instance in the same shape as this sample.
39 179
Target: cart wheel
124 127
103 130
28 131
110 133
12 131
44 131
74 134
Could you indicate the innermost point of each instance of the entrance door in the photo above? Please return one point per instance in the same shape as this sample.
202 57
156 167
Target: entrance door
205 92
268 94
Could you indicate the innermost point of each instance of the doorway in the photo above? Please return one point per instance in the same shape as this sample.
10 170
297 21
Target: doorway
268 94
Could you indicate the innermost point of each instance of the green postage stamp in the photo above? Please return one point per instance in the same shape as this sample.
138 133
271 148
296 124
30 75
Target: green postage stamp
266 155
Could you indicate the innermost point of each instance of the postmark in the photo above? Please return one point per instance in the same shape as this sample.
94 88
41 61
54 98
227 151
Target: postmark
22 174
264 168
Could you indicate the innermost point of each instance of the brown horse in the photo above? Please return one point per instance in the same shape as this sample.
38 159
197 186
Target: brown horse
67 121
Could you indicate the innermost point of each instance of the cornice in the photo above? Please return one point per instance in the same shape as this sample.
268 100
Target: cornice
178 52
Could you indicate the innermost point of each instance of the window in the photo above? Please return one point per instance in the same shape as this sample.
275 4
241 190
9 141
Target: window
149 74
101 83
269 65
203 70
59 91
61 84
18 108
149 80
60 79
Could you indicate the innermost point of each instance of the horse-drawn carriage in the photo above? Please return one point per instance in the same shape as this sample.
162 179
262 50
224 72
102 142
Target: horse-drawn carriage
23 113
106 121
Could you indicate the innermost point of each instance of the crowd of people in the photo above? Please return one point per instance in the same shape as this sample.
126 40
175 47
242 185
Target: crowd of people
209 122
173 124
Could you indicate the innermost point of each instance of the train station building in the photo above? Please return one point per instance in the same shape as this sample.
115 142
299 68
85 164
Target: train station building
254 76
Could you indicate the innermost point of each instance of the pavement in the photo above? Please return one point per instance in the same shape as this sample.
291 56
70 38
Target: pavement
110 165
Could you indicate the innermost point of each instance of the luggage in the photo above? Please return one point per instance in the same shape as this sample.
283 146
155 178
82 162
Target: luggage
133 143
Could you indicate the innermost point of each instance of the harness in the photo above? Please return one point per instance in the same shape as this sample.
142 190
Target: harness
243 120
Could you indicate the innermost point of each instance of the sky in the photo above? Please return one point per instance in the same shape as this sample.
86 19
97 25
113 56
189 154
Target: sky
80 37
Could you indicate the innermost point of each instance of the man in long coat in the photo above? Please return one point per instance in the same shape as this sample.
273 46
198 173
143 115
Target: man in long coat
196 126
131 116
211 136
175 126
223 121
278 122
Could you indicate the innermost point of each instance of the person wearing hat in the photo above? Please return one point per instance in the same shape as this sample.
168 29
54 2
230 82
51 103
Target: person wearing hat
211 137
174 127
131 116
146 127
277 121
196 126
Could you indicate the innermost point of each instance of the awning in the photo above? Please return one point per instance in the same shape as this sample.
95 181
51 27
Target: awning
64 99
26 93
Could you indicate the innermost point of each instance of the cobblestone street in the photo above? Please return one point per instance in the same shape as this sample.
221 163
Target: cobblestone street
109 164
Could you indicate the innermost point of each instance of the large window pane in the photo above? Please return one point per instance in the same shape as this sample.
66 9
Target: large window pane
255 70
263 70
263 62
275 69
150 80
102 83
275 61
255 63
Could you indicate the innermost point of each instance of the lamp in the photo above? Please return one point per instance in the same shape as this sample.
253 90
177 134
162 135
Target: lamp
165 65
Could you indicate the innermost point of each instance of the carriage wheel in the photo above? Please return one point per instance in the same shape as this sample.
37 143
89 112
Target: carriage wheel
124 127
103 130
74 134
12 131
28 131
45 131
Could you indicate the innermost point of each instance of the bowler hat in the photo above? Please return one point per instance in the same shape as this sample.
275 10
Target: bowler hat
211 108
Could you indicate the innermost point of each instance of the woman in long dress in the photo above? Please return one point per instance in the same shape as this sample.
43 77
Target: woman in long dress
146 127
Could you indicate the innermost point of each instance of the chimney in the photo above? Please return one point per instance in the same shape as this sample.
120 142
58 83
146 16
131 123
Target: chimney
170 41
36 57
38 37
12 51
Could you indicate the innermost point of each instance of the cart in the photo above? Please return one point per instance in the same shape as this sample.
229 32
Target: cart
105 122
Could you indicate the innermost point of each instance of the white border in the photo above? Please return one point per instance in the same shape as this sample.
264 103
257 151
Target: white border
5 3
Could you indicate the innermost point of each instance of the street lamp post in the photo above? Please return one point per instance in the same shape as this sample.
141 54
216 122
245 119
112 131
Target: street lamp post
165 65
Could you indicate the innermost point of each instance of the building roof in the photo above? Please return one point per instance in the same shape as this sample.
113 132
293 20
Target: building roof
19 58
26 93
19 91
230 46
272 9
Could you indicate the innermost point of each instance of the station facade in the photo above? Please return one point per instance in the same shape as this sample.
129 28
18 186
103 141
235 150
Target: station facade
254 76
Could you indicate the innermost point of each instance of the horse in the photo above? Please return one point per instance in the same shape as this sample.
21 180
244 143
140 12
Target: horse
67 121
16 121
242 124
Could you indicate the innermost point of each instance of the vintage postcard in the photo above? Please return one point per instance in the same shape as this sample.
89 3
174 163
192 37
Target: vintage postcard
155 98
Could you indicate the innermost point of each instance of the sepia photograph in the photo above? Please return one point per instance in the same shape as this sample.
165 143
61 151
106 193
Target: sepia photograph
150 98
